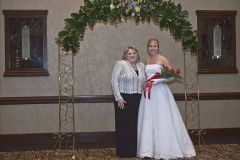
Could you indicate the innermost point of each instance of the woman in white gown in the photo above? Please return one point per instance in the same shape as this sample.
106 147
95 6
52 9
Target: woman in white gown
161 130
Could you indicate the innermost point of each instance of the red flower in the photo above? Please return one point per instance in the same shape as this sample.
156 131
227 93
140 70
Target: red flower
171 70
156 75
178 71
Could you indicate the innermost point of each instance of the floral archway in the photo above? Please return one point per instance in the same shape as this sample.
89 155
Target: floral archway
166 14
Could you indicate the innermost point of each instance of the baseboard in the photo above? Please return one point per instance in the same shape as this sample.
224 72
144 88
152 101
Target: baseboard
217 136
39 141
13 142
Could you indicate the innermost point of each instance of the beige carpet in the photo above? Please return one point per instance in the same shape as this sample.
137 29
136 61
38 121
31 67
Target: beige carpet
204 152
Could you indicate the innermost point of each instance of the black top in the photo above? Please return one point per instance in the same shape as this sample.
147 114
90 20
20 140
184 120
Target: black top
136 71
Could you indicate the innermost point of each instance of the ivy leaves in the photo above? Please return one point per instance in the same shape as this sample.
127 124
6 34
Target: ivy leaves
165 13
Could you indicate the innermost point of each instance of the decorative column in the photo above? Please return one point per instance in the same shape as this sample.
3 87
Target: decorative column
66 134
191 87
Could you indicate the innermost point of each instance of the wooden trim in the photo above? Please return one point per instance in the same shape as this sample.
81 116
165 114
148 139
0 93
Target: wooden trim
25 71
11 142
202 15
18 141
25 12
32 141
218 136
220 70
217 96
55 99
216 13
110 99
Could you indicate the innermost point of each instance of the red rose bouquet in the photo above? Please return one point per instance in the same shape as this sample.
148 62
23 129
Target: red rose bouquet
165 76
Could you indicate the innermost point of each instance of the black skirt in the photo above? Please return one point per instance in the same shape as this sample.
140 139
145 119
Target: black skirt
126 126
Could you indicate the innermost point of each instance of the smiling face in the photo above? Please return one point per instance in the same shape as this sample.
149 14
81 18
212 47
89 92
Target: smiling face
153 47
131 55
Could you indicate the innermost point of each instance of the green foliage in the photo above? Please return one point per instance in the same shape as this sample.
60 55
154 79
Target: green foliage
166 73
165 13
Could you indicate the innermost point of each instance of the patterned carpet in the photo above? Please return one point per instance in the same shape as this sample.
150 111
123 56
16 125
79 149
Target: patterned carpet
204 152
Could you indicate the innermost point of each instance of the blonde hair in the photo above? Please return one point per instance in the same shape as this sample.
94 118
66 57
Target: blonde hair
124 57
153 40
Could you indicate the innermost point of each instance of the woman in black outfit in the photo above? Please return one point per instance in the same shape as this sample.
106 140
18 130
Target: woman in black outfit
128 78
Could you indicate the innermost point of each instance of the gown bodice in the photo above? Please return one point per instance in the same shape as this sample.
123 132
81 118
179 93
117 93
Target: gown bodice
151 69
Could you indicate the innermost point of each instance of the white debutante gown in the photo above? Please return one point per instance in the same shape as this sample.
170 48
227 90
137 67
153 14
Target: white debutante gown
161 130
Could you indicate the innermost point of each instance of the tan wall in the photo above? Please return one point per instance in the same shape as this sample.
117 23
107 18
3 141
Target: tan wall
101 47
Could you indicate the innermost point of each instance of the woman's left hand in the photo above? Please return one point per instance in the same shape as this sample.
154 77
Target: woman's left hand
121 103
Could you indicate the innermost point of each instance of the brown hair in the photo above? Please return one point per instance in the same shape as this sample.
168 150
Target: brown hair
124 57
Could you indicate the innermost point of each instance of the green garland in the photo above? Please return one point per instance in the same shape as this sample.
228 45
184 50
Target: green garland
165 13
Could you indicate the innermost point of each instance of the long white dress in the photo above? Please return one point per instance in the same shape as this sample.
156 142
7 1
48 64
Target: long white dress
161 130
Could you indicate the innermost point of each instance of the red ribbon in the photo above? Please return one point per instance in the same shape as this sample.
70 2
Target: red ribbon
148 85
147 88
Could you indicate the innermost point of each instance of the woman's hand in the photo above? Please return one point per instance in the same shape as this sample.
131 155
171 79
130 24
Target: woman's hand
156 81
162 80
121 103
